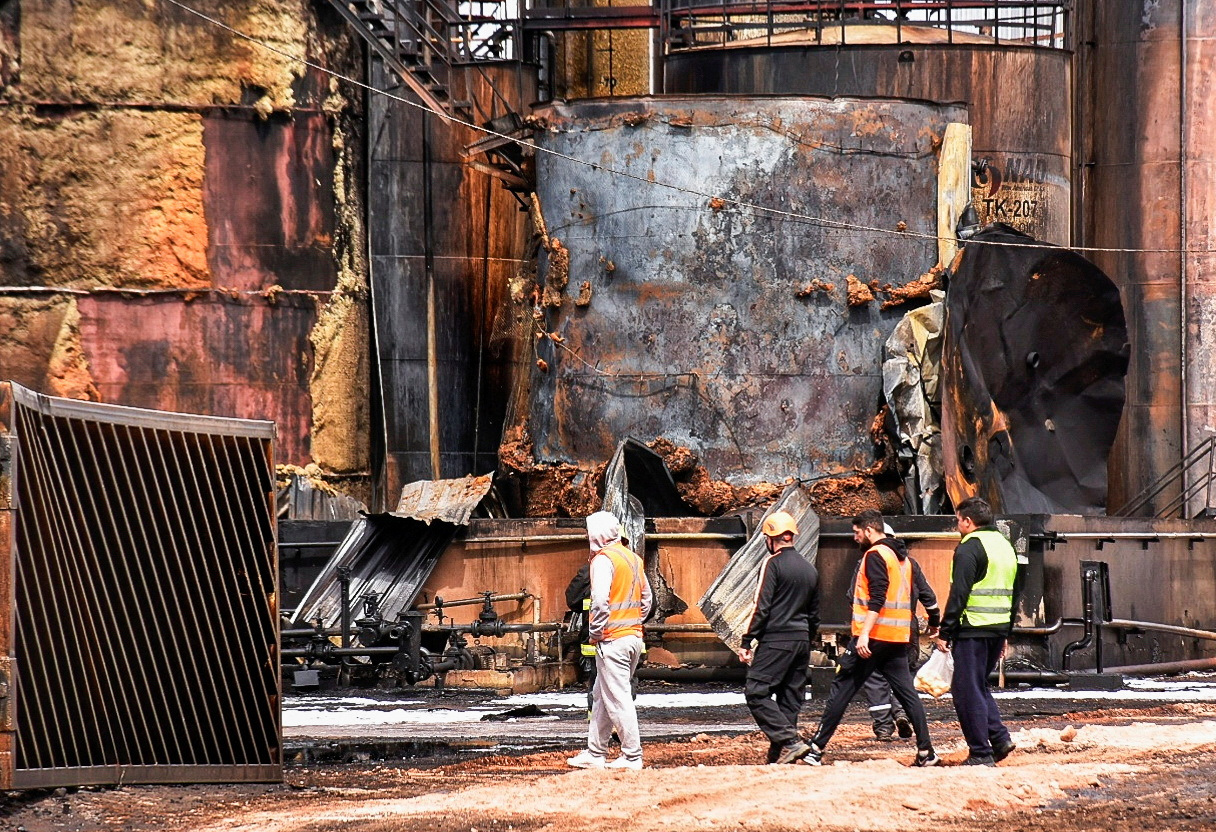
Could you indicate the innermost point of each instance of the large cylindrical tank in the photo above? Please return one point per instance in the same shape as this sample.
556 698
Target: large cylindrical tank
725 328
1023 132
1148 137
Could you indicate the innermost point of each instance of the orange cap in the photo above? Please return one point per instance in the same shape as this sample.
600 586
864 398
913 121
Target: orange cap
778 523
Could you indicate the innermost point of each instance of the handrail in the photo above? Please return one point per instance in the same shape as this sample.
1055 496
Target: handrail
1203 452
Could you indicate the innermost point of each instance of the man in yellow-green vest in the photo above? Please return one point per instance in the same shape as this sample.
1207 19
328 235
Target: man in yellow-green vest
984 584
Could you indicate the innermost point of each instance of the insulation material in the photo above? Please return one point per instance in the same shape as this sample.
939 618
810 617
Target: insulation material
730 600
103 197
1033 363
40 341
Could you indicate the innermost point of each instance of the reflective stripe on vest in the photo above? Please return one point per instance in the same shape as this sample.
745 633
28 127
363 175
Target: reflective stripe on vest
625 595
991 601
585 648
895 618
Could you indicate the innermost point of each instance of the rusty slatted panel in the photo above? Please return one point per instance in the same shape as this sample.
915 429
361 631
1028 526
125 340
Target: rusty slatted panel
146 602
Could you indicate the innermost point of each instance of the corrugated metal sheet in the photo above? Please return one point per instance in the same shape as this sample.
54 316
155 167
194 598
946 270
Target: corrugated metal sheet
143 547
391 556
729 601
452 501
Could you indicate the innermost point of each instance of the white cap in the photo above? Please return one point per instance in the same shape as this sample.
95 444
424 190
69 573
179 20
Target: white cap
887 530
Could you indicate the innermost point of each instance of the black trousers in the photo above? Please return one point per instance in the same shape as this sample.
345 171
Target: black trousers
974 659
890 660
776 688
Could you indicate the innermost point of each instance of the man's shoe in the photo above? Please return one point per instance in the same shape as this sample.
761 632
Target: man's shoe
926 759
625 762
1000 752
904 726
774 751
585 759
973 760
814 757
793 752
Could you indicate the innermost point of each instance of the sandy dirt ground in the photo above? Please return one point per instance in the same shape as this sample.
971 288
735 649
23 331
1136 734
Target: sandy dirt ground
1137 768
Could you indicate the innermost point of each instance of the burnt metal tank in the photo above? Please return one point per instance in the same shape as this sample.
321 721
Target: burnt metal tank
1147 137
723 328
1022 136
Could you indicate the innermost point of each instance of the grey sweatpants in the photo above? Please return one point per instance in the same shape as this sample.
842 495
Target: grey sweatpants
615 662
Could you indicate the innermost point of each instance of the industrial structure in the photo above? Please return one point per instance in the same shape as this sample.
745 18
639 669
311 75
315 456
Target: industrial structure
490 266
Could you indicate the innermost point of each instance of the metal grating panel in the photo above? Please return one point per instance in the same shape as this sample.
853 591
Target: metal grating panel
146 631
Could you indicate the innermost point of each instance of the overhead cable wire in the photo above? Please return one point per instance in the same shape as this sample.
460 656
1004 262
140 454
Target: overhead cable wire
791 216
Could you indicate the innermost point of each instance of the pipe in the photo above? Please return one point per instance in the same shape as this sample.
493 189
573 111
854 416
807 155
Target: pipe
1059 537
432 338
678 628
1183 214
464 602
692 674
561 538
1164 668
1126 624
1041 677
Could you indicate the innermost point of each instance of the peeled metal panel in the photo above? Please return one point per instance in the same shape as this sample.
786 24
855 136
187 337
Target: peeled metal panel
1034 356
388 555
729 602
452 501
697 332
146 613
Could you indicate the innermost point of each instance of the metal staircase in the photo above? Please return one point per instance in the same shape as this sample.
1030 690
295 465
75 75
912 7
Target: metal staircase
437 48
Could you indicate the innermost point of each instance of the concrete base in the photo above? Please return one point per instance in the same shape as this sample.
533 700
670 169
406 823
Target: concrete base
1095 681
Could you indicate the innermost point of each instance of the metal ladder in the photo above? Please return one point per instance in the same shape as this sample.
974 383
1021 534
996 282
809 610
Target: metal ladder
435 48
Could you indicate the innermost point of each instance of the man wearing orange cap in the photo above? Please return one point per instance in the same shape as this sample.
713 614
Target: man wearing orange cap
776 647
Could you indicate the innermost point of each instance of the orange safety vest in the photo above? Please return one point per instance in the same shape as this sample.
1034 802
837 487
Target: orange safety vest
625 595
895 618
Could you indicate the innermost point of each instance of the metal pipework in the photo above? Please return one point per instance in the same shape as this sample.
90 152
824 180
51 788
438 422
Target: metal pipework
439 603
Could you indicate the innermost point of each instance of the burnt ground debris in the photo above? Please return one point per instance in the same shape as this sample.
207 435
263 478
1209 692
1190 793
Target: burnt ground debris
1049 785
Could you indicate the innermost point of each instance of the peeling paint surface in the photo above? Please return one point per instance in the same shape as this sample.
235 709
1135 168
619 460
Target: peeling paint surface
698 333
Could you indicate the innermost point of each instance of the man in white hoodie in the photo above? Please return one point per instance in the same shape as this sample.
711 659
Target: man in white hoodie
620 602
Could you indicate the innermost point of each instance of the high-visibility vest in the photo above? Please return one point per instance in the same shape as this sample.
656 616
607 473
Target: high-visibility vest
991 599
586 649
895 618
625 595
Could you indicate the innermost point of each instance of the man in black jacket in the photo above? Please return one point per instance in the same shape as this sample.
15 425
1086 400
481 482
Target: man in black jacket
777 644
886 714
985 582
883 604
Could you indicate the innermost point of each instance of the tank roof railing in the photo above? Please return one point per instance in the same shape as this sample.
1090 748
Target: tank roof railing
692 24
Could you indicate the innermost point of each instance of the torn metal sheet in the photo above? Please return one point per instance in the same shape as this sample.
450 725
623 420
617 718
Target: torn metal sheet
910 384
730 599
637 483
388 555
1033 362
452 501
300 500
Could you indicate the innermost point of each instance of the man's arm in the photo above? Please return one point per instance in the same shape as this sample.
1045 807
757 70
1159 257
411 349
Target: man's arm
647 597
812 605
926 596
969 565
601 586
764 602
579 587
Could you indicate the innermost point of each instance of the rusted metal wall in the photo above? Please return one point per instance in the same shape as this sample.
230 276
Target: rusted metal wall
181 215
1147 134
475 238
1025 135
695 329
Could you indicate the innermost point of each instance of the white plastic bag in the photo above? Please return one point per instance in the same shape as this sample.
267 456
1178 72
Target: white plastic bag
934 677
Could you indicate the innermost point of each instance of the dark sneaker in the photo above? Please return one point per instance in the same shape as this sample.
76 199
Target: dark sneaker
973 760
1000 752
793 752
814 757
774 751
925 759
904 726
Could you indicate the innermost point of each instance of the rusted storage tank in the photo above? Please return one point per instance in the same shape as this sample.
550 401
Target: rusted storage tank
717 326
1148 135
1016 84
